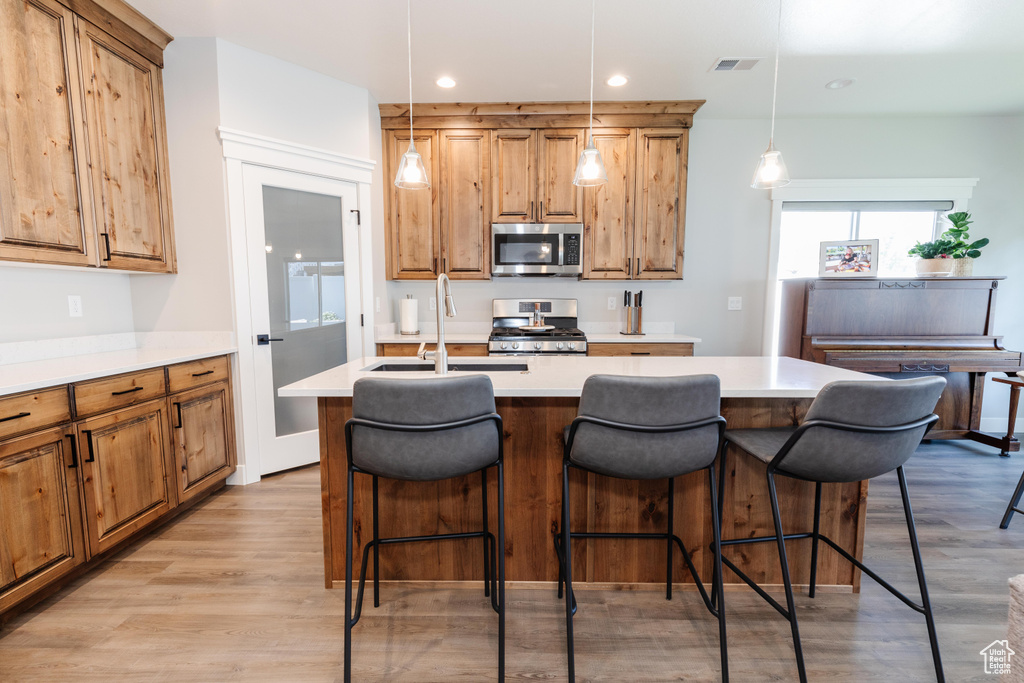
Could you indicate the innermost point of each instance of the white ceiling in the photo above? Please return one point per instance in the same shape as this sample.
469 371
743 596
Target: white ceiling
907 56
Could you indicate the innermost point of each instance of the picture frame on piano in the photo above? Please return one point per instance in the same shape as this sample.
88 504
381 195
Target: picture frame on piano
848 258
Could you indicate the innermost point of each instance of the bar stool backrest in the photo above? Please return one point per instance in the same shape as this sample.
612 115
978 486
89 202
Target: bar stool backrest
648 401
387 451
835 455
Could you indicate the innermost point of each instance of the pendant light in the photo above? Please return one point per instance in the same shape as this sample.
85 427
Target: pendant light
771 170
412 174
590 169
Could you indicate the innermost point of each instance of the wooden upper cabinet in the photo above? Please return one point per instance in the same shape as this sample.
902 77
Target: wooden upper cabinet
124 459
128 150
514 176
40 518
608 209
661 186
558 152
465 198
43 215
414 237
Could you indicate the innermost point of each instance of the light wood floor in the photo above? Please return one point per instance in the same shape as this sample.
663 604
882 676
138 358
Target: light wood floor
234 591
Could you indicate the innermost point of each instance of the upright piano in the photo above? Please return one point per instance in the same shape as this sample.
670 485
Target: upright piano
905 327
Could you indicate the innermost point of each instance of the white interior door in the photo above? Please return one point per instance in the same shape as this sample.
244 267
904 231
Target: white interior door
303 260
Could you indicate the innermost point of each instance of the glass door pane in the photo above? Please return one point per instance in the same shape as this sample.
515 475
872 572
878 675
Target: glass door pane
306 295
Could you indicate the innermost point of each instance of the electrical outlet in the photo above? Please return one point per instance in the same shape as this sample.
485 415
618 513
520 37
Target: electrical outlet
433 303
735 303
74 306
376 306
611 303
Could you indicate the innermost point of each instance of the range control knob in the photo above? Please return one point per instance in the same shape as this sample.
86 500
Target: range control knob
504 345
536 345
559 346
572 345
515 345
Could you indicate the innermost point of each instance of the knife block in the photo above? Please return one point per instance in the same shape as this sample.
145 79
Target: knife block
634 321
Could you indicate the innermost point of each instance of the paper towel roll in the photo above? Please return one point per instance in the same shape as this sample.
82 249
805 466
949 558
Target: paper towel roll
409 315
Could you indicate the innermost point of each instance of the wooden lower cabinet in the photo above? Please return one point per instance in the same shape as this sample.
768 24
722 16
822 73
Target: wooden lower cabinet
410 349
203 439
641 349
40 519
125 472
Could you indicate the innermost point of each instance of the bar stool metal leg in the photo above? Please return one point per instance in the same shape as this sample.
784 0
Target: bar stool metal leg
668 553
815 536
790 603
501 571
567 555
348 581
1013 506
487 564
376 546
925 602
717 588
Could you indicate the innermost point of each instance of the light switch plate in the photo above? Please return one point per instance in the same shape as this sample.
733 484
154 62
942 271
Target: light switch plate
735 303
433 303
74 306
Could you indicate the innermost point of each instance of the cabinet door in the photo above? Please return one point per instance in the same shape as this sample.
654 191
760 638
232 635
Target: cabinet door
128 148
661 183
414 236
43 216
558 152
608 209
465 196
513 176
203 437
40 518
125 472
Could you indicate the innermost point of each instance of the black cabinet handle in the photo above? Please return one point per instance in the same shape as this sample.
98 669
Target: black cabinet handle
532 217
541 215
444 265
434 268
126 391
200 374
178 408
88 441
106 240
264 339
640 353
14 417
74 450
638 267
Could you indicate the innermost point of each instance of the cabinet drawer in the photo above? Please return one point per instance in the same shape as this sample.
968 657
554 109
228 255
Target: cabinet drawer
33 410
110 393
398 349
640 349
196 373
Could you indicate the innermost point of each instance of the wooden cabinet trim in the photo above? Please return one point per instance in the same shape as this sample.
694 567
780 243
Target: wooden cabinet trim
126 24
541 114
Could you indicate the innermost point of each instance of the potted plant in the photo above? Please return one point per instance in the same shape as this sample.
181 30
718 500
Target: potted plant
936 257
963 250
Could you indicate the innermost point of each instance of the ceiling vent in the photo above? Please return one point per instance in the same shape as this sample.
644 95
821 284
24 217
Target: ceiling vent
734 64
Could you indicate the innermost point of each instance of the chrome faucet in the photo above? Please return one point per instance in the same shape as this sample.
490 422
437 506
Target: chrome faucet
440 354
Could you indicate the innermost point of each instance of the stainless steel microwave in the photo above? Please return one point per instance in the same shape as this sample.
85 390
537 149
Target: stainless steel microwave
536 249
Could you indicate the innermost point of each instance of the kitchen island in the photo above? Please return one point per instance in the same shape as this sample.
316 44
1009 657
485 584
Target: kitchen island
535 406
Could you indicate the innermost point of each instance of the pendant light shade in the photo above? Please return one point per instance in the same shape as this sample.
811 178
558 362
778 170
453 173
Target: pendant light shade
590 169
771 170
412 174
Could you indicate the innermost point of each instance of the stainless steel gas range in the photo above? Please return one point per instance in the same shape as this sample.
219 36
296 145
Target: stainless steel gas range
535 327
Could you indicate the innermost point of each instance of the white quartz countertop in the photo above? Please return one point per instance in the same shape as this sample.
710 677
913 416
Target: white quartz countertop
741 376
481 338
18 377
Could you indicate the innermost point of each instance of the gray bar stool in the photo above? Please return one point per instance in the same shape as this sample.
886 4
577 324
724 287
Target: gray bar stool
853 431
645 428
425 430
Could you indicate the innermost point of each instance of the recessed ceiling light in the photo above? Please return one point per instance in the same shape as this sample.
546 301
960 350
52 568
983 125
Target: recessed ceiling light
446 82
617 80
840 83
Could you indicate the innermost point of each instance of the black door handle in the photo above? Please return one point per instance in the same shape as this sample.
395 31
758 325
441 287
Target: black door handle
74 449
262 339
88 441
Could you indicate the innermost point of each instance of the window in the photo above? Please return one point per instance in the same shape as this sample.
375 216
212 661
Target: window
316 293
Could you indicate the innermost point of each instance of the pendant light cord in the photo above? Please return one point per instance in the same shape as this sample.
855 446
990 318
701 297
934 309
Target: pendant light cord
408 25
775 86
593 19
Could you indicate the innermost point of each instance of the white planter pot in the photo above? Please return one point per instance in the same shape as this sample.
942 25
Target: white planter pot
934 267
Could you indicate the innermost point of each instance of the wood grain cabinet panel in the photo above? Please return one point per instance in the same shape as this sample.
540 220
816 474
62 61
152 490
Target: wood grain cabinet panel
128 148
110 393
43 215
661 186
33 410
196 373
608 209
399 349
513 176
464 200
40 519
558 152
414 236
203 438
124 472
640 349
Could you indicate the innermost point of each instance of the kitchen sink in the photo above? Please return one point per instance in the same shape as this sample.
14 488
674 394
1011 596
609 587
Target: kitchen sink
452 367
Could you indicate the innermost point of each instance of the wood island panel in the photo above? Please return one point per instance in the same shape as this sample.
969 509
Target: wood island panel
533 463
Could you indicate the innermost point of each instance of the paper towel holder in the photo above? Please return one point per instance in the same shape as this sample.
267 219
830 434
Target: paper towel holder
408 297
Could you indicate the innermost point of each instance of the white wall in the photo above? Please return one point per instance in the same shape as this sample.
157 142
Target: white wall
727 222
198 298
34 303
